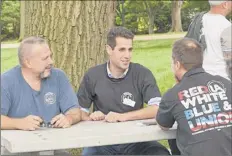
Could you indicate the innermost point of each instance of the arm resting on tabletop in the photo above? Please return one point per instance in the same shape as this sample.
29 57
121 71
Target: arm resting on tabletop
74 115
145 113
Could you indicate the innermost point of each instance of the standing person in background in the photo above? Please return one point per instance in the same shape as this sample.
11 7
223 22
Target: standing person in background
214 22
226 43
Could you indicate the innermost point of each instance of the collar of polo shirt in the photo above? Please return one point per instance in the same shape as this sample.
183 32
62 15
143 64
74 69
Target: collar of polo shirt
110 74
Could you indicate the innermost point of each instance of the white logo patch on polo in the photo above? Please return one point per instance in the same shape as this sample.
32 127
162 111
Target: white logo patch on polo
128 99
49 98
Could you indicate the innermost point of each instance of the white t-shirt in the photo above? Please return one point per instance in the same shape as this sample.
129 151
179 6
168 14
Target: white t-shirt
213 25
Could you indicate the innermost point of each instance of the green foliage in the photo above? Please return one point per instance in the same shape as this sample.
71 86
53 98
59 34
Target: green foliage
133 14
190 9
10 19
137 15
131 11
163 19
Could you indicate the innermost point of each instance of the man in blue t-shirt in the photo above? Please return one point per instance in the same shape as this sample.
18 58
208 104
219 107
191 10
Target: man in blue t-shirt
33 92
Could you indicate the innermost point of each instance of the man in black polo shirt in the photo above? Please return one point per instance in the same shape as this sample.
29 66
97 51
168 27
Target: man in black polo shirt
200 103
118 90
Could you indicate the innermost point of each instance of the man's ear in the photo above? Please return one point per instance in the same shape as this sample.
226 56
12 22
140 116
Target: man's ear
109 50
225 5
27 63
178 65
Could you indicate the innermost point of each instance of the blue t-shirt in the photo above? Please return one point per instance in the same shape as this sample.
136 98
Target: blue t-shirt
19 100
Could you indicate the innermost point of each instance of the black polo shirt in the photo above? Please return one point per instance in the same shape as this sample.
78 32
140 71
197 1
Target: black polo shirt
121 95
201 105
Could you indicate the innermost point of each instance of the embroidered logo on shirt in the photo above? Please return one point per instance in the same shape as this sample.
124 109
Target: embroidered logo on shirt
49 98
216 86
128 99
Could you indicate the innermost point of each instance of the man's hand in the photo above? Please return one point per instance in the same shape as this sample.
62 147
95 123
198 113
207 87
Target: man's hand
29 123
114 117
97 116
85 116
61 121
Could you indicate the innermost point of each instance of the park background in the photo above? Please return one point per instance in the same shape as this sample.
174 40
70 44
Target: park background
76 32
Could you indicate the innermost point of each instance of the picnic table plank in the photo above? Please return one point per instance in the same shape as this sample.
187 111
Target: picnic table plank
83 134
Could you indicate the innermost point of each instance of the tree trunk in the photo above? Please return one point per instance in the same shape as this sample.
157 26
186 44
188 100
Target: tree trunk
22 20
151 23
151 16
75 30
123 13
176 16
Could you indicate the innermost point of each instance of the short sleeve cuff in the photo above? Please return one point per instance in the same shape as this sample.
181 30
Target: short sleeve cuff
85 110
154 101
75 106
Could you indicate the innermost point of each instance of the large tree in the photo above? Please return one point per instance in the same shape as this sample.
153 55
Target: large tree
76 32
121 11
155 10
22 19
176 16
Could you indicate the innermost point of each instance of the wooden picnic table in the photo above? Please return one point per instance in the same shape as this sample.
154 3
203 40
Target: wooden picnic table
83 134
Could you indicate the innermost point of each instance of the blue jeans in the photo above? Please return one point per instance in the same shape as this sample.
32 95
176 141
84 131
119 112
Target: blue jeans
141 148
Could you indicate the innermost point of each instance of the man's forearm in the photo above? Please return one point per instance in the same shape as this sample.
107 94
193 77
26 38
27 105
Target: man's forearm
8 123
74 114
144 113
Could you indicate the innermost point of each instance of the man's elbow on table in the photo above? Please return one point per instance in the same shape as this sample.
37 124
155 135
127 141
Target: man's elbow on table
162 127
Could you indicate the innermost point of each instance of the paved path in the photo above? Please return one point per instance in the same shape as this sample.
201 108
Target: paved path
138 38
13 45
157 36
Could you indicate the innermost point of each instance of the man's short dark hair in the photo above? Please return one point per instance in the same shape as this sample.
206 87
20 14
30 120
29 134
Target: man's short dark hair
23 47
188 52
118 32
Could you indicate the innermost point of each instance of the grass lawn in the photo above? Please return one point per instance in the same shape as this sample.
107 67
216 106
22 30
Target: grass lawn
8 59
156 56
153 54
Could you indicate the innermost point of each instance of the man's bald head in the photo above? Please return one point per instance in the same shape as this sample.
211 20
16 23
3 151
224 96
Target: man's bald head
188 52
223 7
216 2
26 47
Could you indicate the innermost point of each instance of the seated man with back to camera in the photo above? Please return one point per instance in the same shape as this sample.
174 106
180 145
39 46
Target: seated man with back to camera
200 103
